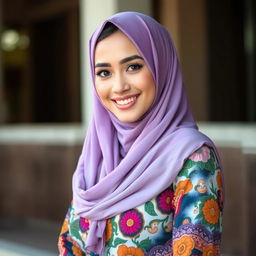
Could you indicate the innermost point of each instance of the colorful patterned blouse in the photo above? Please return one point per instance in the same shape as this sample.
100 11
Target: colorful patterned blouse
185 219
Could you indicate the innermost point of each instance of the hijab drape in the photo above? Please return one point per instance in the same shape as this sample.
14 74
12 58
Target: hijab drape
123 165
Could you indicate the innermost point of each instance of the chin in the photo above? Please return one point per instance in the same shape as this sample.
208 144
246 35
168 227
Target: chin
126 119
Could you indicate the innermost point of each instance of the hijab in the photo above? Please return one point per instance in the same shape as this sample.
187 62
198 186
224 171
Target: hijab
123 165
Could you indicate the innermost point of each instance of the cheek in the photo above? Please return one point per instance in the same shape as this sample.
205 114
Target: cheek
144 82
102 91
149 86
103 96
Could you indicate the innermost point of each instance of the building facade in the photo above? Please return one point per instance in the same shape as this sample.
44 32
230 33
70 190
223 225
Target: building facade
45 98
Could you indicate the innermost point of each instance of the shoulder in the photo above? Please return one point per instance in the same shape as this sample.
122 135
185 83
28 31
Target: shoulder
198 191
201 166
203 158
202 154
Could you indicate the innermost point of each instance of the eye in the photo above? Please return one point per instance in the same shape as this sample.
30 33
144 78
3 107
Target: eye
103 73
134 67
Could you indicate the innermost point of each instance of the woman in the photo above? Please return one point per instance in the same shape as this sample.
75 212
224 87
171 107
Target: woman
147 181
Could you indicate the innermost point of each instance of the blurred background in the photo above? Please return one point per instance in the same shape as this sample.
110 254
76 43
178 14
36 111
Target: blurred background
45 105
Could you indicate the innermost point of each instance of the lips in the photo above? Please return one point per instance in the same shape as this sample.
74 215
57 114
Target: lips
125 102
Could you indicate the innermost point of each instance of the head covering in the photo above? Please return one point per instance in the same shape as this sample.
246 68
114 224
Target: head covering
124 165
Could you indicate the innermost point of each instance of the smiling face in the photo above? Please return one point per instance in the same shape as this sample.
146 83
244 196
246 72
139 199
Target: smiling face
123 80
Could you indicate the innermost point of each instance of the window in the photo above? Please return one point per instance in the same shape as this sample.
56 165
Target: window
40 61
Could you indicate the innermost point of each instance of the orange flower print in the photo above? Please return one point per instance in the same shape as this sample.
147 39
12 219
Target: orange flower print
123 250
211 211
209 250
109 230
64 227
183 187
183 246
219 180
77 251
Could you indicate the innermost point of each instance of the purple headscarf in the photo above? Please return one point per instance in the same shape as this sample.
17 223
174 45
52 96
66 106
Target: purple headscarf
124 165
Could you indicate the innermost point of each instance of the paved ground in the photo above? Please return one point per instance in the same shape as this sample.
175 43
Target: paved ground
31 238
13 249
28 238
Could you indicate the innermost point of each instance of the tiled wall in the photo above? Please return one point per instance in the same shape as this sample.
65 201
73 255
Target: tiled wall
36 183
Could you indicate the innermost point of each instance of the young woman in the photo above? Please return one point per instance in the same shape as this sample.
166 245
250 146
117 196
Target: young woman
147 181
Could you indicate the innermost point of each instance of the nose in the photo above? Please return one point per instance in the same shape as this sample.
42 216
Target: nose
120 84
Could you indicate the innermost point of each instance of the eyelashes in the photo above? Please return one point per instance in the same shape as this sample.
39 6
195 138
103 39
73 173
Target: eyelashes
135 66
104 73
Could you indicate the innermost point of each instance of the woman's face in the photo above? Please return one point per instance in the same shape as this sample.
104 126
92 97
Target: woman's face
123 80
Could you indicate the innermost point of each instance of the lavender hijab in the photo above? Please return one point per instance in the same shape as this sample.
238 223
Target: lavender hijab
123 165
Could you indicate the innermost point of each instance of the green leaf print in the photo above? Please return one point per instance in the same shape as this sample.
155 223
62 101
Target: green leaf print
145 243
114 225
74 229
137 243
164 222
188 164
214 159
214 191
119 241
149 208
184 172
210 166
108 252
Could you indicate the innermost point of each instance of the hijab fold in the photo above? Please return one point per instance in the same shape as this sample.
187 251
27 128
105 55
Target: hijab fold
123 165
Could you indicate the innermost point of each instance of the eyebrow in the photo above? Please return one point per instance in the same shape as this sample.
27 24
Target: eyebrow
127 59
133 57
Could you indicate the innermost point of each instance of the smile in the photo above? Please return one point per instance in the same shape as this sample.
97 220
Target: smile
125 102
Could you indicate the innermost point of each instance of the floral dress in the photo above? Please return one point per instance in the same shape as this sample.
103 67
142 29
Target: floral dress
185 219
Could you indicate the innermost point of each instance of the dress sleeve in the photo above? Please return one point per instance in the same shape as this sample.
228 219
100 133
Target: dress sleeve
198 204
68 245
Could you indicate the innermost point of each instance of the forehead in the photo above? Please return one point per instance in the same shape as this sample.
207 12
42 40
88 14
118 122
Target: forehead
115 45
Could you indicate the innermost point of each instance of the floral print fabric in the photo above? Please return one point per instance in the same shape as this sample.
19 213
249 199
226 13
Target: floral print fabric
184 220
